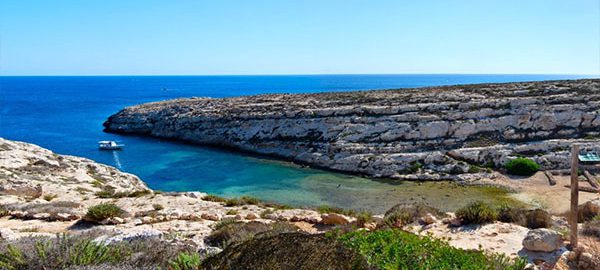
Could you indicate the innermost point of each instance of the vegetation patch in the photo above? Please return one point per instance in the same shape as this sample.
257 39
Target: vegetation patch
477 212
533 219
49 197
592 228
185 261
522 166
403 214
326 209
235 232
213 198
396 249
287 251
244 200
103 211
82 252
3 211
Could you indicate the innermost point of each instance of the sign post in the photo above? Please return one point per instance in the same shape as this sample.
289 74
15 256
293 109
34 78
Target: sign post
574 194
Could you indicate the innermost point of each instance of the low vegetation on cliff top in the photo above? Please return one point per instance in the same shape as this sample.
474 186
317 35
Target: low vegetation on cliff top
396 249
522 166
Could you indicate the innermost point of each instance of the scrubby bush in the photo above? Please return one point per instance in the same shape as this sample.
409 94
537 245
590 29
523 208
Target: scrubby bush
3 211
158 207
396 249
326 209
522 166
244 200
538 218
49 197
297 251
82 252
213 198
185 261
60 253
587 211
592 228
477 212
363 217
235 232
103 211
533 219
403 214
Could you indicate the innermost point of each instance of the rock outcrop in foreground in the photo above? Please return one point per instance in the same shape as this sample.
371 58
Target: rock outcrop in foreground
438 132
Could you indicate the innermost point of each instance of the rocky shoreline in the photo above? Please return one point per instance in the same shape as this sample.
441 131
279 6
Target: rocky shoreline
434 133
43 194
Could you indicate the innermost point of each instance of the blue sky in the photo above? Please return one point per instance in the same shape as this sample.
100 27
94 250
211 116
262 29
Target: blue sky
298 37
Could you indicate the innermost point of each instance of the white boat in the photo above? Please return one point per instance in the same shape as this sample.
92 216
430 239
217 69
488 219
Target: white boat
109 145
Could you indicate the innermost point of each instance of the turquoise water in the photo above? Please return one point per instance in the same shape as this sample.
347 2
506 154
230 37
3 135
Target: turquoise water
65 114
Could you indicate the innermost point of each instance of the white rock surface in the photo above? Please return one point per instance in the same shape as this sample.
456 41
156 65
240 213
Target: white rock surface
544 240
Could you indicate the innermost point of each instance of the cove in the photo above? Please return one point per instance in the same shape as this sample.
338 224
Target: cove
65 115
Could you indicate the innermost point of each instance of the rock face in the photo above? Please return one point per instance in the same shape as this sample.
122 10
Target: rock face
437 132
544 240
30 171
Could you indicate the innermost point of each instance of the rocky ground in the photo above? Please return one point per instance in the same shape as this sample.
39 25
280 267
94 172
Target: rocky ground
42 194
450 132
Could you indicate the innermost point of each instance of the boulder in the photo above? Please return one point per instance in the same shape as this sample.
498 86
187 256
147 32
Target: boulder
251 216
543 240
427 219
588 210
334 219
211 216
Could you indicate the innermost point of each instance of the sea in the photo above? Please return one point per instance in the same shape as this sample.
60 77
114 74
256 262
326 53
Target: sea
65 114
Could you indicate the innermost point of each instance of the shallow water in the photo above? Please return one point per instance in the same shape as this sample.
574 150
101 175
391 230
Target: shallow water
65 114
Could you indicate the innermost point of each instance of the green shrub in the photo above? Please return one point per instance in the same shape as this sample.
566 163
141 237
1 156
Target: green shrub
403 214
326 209
103 211
185 261
244 200
82 252
538 218
477 212
232 212
49 197
415 167
363 217
61 253
139 193
235 232
3 211
158 207
213 198
522 166
396 249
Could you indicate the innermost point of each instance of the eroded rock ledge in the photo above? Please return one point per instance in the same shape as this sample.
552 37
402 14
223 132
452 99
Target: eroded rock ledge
437 132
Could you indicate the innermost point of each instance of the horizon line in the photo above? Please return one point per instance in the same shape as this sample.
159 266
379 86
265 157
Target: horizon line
292 74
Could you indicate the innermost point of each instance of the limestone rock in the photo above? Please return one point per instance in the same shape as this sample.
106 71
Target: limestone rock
427 219
544 240
334 219
211 216
393 133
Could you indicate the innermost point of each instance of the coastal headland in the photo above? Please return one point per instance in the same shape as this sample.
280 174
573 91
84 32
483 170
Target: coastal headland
434 133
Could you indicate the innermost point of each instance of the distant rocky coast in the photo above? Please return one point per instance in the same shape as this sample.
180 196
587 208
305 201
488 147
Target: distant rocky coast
434 133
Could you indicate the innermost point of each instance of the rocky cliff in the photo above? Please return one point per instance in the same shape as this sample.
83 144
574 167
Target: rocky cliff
425 133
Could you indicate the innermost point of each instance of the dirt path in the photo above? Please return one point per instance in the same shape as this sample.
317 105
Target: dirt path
537 191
